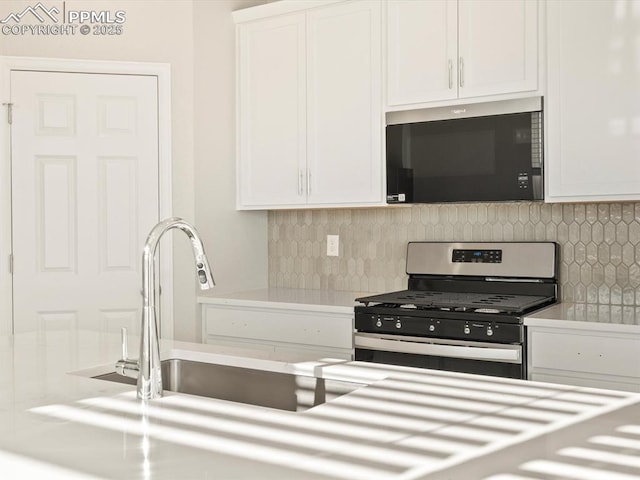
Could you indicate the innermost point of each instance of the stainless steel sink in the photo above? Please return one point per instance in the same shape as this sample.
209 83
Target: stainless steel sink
256 387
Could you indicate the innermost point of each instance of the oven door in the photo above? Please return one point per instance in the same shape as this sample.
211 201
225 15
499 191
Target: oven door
482 358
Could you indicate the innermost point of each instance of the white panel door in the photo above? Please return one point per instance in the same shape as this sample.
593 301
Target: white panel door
272 102
85 195
422 51
498 47
344 104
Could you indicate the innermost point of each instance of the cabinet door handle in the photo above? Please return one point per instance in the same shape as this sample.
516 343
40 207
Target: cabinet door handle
300 177
461 72
450 74
309 181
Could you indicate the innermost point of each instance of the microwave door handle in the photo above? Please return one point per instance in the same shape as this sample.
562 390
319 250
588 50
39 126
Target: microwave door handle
437 350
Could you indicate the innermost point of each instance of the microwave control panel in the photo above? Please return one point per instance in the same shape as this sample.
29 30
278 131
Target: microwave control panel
523 180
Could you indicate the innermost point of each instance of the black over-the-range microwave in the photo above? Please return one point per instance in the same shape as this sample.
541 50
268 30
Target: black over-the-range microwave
481 152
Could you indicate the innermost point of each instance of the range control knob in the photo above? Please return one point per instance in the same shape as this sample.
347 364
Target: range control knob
467 330
398 324
379 323
489 331
432 328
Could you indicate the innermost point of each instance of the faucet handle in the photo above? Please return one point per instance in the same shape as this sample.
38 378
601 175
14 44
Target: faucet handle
125 366
125 350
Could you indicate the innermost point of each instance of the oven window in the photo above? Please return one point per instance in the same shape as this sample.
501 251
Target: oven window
480 367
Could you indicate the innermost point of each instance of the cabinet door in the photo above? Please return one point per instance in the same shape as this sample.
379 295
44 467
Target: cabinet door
271 113
498 46
344 119
592 358
592 118
422 51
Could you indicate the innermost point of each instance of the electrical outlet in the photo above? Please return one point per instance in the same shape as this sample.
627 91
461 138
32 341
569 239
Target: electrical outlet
333 245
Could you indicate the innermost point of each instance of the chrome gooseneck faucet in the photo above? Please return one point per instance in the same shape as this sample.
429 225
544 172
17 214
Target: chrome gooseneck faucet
147 368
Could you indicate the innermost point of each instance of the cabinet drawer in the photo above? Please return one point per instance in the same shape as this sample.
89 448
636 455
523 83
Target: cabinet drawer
627 384
280 325
239 343
589 353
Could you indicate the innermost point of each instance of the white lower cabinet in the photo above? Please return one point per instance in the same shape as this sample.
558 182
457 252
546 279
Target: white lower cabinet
288 334
591 358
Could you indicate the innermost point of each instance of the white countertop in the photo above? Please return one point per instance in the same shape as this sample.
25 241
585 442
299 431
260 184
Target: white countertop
288 298
586 316
406 424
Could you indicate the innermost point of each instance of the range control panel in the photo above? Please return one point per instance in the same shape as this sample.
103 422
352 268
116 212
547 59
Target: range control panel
458 329
476 256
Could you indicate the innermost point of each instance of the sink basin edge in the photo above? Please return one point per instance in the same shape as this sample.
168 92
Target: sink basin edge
261 387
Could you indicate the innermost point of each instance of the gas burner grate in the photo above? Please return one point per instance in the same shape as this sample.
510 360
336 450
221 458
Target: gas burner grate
506 303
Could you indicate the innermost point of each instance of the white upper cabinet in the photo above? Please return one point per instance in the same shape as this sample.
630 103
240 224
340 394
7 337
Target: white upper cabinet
344 109
497 47
310 106
272 111
592 109
422 46
439 50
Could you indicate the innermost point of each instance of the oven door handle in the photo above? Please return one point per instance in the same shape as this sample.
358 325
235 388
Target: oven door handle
511 354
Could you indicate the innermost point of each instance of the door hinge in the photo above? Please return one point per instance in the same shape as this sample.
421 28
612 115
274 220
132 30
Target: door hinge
11 263
9 112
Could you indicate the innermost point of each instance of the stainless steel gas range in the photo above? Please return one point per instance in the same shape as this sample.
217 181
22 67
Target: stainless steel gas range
463 309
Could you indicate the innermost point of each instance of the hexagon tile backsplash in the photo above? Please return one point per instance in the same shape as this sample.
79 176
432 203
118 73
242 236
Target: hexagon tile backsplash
599 244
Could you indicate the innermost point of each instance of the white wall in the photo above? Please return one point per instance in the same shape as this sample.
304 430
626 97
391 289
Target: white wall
197 38
236 241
